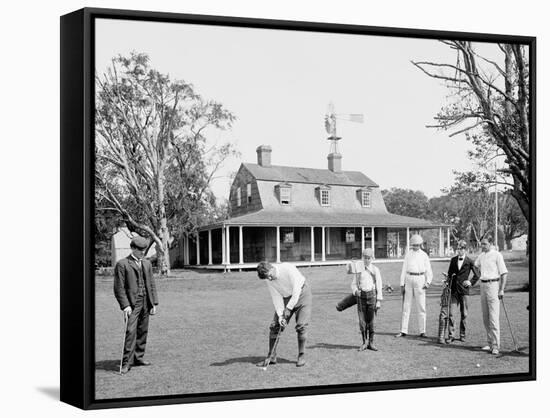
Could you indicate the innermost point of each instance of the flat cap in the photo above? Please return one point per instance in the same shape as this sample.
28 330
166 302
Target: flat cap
367 252
139 242
416 240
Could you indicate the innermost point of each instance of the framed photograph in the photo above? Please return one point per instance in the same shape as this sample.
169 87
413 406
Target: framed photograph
259 208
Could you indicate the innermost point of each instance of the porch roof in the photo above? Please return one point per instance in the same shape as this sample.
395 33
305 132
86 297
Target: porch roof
308 218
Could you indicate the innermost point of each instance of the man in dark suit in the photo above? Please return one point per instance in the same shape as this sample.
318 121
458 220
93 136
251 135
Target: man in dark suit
136 293
459 279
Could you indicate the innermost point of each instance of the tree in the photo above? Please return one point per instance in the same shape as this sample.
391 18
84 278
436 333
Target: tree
511 219
154 164
406 202
493 95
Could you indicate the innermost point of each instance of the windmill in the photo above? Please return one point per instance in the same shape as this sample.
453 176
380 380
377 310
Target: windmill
330 125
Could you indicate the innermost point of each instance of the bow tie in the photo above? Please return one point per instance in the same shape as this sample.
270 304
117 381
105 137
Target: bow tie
461 259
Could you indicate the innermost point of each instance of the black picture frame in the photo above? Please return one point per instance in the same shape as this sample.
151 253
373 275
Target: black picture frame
77 203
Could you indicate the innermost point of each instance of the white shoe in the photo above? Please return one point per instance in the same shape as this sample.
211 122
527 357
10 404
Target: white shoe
486 348
494 351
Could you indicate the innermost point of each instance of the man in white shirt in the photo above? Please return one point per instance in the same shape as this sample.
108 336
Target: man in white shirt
366 286
291 295
493 276
416 277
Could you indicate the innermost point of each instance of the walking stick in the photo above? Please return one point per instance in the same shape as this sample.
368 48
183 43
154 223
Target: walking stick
510 326
448 304
125 319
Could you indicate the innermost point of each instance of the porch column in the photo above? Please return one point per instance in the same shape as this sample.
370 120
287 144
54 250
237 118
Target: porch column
328 240
278 238
223 245
323 256
186 251
372 239
362 240
209 247
227 245
448 237
408 237
441 252
198 251
241 244
397 251
312 244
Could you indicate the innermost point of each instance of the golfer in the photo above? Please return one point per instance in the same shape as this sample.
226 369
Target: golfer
291 295
367 287
493 275
416 276
460 268
136 293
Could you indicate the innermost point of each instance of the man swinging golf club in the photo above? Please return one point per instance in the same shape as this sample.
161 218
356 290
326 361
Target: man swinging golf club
416 276
291 295
493 276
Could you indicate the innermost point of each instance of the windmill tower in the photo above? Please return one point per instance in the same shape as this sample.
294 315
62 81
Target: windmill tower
334 157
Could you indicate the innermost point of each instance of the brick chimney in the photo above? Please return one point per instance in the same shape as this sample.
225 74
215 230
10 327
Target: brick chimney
335 162
264 155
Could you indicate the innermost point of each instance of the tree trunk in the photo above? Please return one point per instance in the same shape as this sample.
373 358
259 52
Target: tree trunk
163 253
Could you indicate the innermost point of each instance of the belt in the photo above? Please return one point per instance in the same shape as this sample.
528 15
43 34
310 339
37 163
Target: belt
489 280
415 274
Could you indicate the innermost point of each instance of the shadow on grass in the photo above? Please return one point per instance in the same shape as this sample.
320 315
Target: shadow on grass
514 353
450 346
334 346
108 365
249 359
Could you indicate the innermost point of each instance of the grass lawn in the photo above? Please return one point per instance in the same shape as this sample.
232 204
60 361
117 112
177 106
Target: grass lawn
211 329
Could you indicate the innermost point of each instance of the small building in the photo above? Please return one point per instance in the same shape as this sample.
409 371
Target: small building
120 245
307 216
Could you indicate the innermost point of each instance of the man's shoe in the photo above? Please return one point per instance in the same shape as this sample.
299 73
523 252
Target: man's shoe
486 348
363 347
372 347
138 363
338 307
423 335
441 341
125 369
461 339
401 334
301 360
494 351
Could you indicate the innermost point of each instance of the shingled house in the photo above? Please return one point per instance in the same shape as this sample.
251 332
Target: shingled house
307 216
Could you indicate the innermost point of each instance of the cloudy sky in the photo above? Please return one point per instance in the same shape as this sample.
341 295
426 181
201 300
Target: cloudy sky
279 84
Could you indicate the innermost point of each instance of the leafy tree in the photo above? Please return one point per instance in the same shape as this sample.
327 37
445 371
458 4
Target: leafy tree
489 101
511 219
153 162
406 202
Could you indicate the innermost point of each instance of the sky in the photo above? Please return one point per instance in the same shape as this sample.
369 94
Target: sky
279 84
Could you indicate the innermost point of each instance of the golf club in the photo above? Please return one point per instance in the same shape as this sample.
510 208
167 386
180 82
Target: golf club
510 327
269 358
449 298
359 302
125 319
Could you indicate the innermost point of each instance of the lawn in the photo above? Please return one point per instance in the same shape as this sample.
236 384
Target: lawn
211 329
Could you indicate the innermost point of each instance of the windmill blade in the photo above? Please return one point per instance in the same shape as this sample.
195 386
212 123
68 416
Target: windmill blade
352 117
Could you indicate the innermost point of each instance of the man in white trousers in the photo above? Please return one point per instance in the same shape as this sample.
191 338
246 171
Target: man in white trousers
416 277
493 276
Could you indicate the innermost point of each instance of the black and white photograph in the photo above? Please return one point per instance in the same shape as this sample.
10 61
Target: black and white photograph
294 208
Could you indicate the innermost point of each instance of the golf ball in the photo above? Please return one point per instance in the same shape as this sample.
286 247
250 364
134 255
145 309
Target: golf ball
477 365
264 368
435 368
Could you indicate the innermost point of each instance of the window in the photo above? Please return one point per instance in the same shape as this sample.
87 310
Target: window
249 193
285 195
365 199
325 197
288 236
238 196
350 235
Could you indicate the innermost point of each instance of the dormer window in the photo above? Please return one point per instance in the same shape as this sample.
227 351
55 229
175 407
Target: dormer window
364 197
323 194
249 193
238 196
284 192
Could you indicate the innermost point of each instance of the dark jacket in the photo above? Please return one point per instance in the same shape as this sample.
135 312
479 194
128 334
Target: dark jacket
126 282
457 285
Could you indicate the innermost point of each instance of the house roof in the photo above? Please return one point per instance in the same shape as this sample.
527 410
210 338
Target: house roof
320 218
281 173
